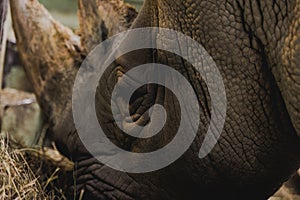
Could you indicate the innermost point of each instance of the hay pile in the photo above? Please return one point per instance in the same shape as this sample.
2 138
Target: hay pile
24 177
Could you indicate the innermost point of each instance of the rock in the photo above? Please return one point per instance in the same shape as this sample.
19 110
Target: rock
22 121
14 74
20 117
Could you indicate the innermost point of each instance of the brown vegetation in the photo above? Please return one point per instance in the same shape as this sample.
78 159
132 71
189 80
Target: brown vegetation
26 177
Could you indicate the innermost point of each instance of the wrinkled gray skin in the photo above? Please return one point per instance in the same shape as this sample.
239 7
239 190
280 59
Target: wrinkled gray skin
255 45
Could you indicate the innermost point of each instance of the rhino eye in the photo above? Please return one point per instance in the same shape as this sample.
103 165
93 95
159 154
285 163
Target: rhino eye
134 84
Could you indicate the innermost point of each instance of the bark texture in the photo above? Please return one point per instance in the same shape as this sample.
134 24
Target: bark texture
3 14
52 53
101 19
3 10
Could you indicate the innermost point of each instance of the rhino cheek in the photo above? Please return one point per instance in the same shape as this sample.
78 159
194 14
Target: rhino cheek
288 76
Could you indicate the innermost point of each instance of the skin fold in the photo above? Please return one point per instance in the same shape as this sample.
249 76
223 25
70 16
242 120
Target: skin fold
256 47
247 40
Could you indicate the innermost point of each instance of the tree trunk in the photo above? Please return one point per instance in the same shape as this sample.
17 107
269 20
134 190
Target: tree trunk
3 10
101 19
51 53
3 16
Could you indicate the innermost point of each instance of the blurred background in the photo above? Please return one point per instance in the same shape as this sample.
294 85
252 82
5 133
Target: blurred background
66 10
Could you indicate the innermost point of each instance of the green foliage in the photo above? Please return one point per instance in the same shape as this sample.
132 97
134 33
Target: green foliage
69 6
137 3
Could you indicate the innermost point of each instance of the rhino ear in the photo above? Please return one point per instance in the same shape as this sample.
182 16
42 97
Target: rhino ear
288 74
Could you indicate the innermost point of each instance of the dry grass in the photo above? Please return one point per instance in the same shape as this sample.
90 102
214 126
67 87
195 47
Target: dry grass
23 177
